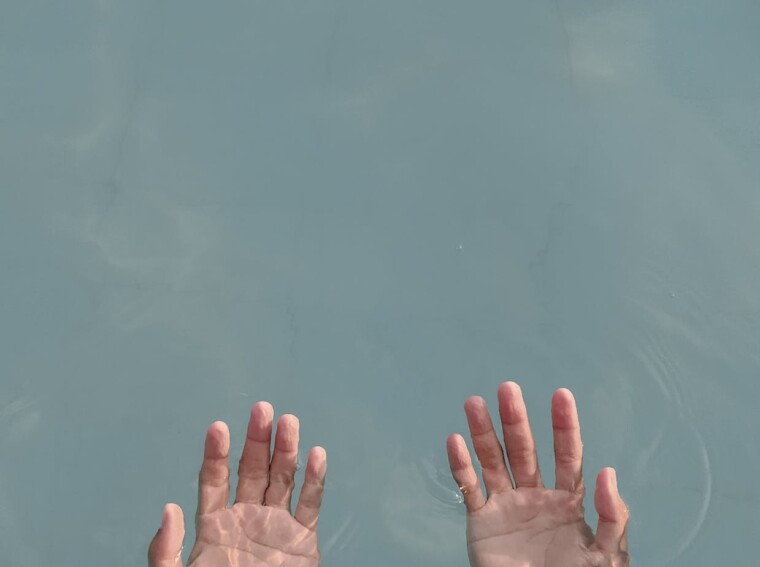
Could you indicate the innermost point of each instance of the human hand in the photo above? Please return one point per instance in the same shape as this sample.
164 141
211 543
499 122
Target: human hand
530 525
258 530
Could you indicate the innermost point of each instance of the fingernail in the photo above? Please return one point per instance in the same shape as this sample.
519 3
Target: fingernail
613 479
165 517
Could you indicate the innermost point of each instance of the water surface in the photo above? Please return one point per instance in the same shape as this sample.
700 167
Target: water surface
363 213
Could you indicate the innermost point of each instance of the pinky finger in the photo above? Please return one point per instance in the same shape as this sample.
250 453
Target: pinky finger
463 472
612 529
166 547
310 500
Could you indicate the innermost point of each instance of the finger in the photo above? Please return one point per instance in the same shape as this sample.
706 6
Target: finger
487 447
165 548
518 438
568 448
253 471
214 478
612 529
284 463
463 472
310 499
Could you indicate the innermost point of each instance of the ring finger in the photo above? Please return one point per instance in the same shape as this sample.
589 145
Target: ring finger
284 463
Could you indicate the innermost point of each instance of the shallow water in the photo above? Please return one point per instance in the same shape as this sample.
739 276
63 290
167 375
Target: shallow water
363 213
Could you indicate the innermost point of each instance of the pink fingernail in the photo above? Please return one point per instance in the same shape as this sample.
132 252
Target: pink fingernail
165 517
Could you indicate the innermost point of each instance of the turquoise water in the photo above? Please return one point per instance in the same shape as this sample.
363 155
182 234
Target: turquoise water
364 212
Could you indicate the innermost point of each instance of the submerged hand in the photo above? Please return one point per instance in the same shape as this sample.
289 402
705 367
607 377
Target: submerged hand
530 525
258 530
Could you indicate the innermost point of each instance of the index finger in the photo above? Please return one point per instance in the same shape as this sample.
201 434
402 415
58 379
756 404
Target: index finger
214 478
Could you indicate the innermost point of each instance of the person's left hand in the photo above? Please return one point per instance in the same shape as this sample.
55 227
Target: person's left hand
258 530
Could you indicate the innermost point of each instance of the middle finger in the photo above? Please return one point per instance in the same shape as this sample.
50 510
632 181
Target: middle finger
253 471
518 438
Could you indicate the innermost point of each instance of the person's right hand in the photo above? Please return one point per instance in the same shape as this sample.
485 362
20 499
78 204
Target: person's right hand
529 525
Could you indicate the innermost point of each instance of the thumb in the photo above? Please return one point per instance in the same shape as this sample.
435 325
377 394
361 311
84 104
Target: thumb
612 530
165 549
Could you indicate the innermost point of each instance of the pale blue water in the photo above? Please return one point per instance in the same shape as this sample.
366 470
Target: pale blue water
364 212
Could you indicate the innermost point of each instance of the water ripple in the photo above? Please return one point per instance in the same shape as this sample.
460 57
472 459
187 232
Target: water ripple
671 461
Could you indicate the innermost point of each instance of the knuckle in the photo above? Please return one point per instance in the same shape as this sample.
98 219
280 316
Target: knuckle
522 455
567 457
